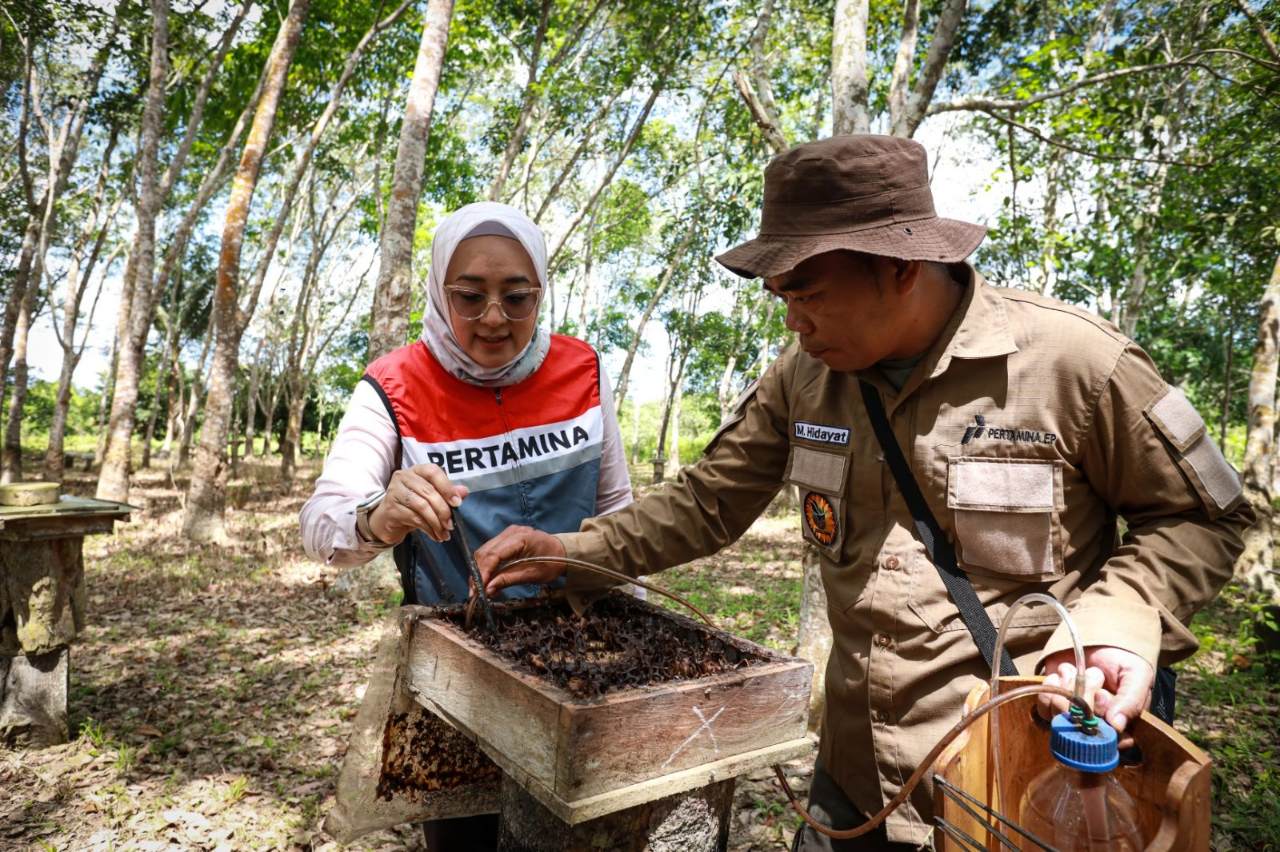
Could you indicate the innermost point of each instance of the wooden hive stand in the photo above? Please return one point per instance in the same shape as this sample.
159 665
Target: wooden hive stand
42 604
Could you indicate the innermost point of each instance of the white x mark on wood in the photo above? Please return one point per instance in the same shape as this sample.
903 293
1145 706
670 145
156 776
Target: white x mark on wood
705 726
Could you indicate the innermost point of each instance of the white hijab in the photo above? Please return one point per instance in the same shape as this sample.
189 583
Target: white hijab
474 220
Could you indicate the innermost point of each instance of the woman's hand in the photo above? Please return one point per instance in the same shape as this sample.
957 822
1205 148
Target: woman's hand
515 543
418 498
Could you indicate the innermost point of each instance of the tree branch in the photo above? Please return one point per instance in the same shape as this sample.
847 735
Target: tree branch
760 74
24 123
1258 25
592 127
766 122
623 153
900 80
944 37
196 117
1096 155
1014 104
526 107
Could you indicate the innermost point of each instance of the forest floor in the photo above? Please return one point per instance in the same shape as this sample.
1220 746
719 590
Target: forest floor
213 690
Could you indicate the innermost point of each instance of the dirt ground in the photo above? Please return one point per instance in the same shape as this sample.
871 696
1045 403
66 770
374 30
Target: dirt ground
213 690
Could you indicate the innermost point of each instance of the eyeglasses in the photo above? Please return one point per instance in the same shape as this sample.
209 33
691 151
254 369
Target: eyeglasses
471 304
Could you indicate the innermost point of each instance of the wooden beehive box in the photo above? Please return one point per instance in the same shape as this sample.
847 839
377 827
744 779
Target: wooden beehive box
586 757
1171 786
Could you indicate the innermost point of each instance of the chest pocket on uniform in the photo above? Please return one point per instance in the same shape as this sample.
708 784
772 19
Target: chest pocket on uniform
1006 515
820 477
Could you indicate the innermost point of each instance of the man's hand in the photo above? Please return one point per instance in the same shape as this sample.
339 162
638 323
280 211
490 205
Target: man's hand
517 543
1117 684
418 498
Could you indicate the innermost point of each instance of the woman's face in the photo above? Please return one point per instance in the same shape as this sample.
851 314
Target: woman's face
496 267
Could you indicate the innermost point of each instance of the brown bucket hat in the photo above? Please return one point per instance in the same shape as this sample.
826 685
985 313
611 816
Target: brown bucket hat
862 193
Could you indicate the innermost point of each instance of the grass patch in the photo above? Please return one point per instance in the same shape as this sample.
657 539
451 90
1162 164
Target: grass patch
754 600
1229 705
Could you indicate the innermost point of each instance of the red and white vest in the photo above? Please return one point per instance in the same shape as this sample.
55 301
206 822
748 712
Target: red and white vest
529 453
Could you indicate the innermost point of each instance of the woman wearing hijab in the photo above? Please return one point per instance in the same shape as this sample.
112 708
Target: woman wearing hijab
487 416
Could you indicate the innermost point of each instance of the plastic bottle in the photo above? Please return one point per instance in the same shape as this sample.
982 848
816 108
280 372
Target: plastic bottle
1077 804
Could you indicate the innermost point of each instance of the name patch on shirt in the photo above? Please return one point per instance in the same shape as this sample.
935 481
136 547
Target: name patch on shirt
822 434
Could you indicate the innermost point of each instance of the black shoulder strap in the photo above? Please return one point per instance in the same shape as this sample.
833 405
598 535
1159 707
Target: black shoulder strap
406 554
972 613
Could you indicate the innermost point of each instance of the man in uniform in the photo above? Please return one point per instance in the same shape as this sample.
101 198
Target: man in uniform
1028 425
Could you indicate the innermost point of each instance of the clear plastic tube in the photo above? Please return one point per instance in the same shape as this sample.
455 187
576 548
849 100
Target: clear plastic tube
993 690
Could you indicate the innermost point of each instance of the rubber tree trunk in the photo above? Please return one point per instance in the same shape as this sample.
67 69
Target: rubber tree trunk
849 67
20 284
142 285
814 635
53 456
269 420
527 100
161 398
11 462
235 438
252 400
697 821
675 376
194 399
206 497
1257 562
40 219
77 284
395 272
104 405
624 377
113 479
905 120
289 444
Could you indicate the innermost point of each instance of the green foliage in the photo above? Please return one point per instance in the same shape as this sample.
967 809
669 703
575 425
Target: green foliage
1230 687
699 419
1156 177
82 412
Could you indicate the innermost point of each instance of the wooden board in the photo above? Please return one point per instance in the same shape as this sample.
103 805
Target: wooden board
574 754
634 795
75 515
401 765
1171 786
640 734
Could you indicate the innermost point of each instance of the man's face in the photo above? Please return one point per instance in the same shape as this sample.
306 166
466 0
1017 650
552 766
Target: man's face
848 309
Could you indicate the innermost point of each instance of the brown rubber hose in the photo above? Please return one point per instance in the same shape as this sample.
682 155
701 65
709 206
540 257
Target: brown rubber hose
615 575
978 712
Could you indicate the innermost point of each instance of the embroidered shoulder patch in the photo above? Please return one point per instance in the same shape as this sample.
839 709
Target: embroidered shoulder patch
820 518
806 431
1216 482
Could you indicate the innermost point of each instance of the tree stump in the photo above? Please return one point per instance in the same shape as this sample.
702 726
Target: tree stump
696 821
33 699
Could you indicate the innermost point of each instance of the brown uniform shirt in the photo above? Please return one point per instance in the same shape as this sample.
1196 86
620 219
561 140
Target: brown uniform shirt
1030 426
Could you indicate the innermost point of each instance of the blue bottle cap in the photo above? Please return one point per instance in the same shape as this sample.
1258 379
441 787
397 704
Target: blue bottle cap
1095 751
